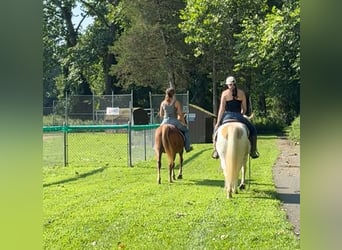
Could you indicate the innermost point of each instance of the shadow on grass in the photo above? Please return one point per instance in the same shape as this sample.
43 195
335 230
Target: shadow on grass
194 155
251 188
186 159
207 182
77 177
220 183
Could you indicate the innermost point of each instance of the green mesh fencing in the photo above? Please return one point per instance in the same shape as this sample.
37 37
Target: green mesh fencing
53 147
97 145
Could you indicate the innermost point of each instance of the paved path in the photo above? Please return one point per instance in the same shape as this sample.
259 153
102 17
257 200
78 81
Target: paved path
286 175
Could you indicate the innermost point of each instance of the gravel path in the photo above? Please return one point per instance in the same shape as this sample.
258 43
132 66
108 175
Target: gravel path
286 175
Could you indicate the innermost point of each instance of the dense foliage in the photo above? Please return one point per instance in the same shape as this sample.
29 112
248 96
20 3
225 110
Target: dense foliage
147 45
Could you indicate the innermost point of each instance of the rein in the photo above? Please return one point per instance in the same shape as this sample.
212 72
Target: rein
249 172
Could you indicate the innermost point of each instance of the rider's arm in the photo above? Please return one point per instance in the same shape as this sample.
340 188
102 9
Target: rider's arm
178 107
179 111
161 110
244 102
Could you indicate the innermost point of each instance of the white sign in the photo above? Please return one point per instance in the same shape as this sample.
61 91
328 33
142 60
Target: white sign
112 111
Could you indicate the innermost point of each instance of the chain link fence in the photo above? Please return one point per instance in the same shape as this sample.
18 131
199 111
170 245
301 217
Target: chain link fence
96 145
53 148
89 109
101 130
156 99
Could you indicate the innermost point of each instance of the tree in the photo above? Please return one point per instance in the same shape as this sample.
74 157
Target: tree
78 61
210 25
151 51
269 51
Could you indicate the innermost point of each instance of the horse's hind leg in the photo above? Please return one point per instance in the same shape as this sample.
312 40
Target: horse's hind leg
228 189
158 168
243 174
229 193
180 172
243 177
171 171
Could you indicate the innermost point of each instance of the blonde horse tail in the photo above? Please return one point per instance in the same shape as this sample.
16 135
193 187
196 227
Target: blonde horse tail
234 157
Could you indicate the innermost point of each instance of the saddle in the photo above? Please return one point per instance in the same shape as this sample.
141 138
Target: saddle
233 120
229 120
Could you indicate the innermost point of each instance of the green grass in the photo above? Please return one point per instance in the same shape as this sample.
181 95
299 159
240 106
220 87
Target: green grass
86 149
116 207
53 152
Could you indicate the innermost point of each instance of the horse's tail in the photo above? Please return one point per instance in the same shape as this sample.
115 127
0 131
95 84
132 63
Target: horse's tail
233 149
237 148
166 142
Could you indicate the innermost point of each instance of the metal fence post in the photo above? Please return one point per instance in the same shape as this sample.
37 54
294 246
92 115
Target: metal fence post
129 144
65 144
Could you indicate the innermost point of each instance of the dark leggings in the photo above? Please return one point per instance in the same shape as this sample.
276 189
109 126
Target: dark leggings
241 118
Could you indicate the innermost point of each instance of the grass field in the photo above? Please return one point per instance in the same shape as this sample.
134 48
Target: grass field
101 148
118 207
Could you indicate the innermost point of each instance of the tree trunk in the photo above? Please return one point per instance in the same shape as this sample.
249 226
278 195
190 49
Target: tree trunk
108 61
214 89
262 104
72 34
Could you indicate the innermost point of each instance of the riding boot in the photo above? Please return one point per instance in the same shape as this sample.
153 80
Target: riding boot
187 146
254 152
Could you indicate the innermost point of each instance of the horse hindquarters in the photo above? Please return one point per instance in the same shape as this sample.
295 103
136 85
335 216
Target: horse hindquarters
169 140
173 144
232 145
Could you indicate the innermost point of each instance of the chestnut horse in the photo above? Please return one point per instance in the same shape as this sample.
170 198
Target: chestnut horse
169 140
233 148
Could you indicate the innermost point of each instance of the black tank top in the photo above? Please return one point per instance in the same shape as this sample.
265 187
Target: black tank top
233 106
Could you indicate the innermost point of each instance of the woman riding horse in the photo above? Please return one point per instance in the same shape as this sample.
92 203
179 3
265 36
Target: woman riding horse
170 110
233 107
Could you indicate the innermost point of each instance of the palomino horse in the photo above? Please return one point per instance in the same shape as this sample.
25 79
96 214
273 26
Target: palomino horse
233 148
169 140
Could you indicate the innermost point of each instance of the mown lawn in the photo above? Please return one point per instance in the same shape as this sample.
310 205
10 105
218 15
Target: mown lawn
108 207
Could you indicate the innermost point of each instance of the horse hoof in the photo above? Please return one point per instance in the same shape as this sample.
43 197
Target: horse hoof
180 177
242 186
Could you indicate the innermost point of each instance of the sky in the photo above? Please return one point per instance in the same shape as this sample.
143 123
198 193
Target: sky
77 18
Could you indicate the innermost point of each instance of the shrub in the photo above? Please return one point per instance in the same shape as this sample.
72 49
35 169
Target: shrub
294 130
266 125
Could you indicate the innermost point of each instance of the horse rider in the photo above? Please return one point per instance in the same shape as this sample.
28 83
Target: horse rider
170 109
233 105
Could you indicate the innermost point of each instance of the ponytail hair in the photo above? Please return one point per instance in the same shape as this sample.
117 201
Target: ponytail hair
169 93
234 91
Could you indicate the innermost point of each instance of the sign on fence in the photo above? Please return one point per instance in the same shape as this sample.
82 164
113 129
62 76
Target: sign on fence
112 111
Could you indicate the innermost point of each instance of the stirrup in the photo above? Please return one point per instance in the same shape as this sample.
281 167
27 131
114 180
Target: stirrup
214 155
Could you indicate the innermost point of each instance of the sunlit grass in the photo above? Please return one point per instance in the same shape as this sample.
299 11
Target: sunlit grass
107 207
